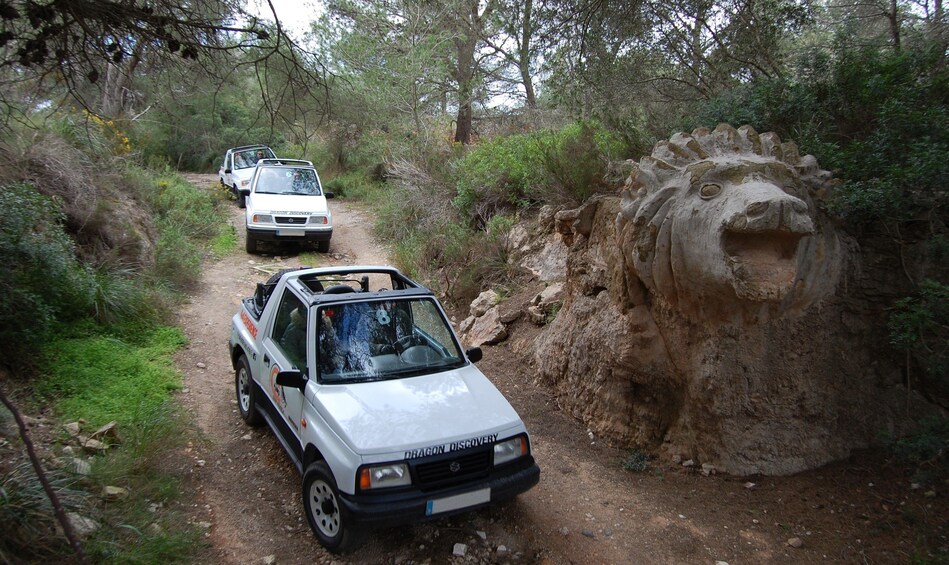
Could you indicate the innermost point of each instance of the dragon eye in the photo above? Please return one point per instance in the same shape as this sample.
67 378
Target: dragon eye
709 191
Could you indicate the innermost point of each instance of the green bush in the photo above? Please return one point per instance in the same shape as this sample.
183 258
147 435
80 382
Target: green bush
919 325
526 170
872 116
354 185
927 449
42 281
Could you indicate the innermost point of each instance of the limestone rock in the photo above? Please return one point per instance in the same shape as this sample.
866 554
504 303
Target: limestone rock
550 295
82 526
73 428
487 329
113 493
109 431
94 446
485 301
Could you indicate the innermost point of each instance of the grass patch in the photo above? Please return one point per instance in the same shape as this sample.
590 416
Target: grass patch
225 242
26 514
104 378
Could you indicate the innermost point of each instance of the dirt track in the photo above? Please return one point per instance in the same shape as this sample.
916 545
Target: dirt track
586 509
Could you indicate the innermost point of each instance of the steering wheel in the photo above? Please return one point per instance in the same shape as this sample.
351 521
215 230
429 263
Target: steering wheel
405 342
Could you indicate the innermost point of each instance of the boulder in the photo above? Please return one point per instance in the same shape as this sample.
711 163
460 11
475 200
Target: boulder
484 302
487 330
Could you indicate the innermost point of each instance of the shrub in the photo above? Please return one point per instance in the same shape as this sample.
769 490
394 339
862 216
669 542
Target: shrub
636 461
526 170
927 449
919 324
41 281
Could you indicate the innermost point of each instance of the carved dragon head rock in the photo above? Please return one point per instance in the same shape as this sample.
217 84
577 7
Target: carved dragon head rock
723 223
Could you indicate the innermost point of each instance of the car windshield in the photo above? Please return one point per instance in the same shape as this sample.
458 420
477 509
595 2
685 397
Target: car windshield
249 157
288 181
384 339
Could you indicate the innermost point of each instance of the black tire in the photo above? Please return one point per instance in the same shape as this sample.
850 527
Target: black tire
323 246
327 518
241 198
250 244
246 393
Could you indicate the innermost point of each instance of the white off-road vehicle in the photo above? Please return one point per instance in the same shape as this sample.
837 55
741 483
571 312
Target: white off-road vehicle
238 167
362 380
287 203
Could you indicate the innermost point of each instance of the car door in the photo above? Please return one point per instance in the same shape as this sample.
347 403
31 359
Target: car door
285 348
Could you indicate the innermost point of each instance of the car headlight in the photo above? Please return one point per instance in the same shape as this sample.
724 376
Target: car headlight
510 450
245 182
319 220
384 476
262 219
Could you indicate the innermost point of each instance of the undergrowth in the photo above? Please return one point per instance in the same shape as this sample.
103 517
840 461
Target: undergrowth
103 377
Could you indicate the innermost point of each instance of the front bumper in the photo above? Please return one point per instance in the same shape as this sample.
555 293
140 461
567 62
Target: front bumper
382 510
308 235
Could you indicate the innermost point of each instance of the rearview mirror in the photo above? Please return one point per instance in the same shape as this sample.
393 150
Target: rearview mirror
474 354
294 379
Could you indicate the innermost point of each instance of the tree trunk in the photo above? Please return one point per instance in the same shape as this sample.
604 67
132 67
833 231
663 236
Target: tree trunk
894 17
465 44
117 79
524 53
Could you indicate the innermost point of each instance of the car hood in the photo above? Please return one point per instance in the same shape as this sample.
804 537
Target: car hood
447 411
242 174
261 202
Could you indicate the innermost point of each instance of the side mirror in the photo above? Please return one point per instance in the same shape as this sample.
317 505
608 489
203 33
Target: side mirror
228 171
294 379
329 195
474 354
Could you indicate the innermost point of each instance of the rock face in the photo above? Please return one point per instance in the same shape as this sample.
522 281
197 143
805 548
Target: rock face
706 312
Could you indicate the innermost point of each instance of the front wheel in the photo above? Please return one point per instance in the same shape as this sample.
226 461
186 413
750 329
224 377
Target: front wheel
246 393
327 518
250 243
323 246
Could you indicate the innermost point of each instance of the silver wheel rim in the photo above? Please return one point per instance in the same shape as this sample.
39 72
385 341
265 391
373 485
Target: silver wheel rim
243 390
323 508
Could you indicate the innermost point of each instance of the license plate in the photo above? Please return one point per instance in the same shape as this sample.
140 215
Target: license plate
291 233
464 500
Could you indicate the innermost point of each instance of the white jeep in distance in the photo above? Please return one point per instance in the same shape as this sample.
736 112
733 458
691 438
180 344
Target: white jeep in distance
238 167
358 373
287 203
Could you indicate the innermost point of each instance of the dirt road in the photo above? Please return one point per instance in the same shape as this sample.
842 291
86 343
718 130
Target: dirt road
586 509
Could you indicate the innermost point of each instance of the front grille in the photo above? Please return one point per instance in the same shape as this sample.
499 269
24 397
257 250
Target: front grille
443 470
297 221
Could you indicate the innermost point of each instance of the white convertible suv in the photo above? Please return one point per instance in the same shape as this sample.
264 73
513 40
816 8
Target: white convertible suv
238 167
361 378
287 203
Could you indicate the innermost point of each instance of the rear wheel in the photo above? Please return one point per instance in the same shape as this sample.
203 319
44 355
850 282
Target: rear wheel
327 518
241 198
246 393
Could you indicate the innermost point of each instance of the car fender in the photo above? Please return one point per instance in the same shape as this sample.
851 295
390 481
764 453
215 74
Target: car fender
316 432
244 331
